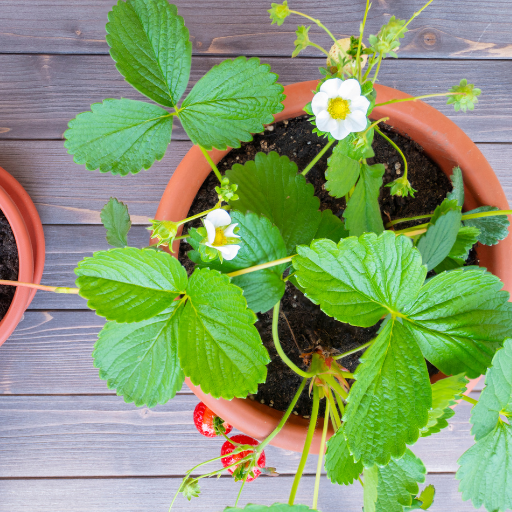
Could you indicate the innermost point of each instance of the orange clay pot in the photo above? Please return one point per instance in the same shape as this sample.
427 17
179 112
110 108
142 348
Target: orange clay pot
443 141
26 225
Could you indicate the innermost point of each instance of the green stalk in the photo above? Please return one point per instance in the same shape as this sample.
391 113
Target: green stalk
198 215
469 399
334 411
374 124
416 14
317 157
284 419
397 148
353 351
318 22
421 97
280 351
409 230
321 457
241 489
360 43
317 46
54 289
418 217
339 401
212 164
255 268
307 446
379 62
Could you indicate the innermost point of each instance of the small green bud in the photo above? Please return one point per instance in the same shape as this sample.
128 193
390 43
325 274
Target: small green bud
302 41
466 98
226 192
279 12
164 231
401 187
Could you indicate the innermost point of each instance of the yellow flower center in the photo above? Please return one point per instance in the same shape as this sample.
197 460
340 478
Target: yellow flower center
338 108
220 237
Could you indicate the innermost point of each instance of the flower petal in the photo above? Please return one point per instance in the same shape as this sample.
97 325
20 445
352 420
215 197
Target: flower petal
319 103
360 103
228 232
341 130
210 230
219 218
325 122
350 89
331 86
228 251
356 121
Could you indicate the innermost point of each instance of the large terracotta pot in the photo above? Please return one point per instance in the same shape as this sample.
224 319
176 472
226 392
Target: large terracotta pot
28 233
443 141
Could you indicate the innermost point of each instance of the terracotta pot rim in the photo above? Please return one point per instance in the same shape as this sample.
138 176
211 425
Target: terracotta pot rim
442 140
26 226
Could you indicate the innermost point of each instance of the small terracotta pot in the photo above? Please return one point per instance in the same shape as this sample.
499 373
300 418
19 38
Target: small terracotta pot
26 225
443 141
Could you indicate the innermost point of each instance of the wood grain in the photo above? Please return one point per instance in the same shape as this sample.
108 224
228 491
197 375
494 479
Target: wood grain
84 436
39 94
155 494
457 29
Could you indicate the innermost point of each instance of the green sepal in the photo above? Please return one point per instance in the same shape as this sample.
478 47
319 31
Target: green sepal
302 41
190 488
466 100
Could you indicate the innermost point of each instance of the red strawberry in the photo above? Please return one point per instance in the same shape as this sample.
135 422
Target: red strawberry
239 471
208 423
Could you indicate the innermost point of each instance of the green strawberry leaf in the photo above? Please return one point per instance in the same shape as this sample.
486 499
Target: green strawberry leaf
219 347
342 172
150 46
140 360
116 219
260 242
119 136
496 398
276 507
331 227
459 319
360 280
392 487
339 462
445 393
457 192
437 242
362 214
492 229
388 403
235 99
466 238
130 285
485 471
270 186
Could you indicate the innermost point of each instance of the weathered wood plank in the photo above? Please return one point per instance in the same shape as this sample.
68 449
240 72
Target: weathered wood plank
456 29
111 438
137 494
39 94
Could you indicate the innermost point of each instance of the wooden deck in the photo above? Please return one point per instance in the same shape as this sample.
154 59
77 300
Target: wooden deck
67 443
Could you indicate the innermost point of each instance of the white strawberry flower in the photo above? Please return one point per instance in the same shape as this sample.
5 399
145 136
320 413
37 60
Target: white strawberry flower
339 107
220 233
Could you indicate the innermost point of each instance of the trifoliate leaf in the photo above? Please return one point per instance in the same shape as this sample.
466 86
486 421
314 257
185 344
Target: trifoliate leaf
496 398
360 280
150 45
457 192
466 238
276 507
279 12
492 229
270 186
190 488
392 487
388 403
302 41
465 98
362 214
339 462
485 471
445 393
342 172
260 242
219 347
331 227
116 219
230 103
130 285
119 136
459 319
140 360
437 242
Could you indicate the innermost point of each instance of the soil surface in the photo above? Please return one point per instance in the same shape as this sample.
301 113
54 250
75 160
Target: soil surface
303 327
8 264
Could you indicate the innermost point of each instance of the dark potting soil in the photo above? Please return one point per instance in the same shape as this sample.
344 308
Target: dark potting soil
303 327
8 264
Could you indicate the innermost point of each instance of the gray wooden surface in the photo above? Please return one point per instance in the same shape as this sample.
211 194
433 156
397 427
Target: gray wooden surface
67 443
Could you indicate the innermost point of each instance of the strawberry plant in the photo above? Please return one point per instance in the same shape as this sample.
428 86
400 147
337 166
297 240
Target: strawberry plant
265 230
